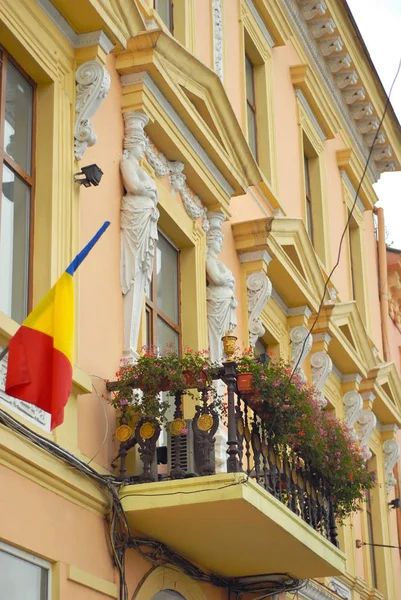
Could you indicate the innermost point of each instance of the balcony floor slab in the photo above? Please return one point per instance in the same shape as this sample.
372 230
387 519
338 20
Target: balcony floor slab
230 525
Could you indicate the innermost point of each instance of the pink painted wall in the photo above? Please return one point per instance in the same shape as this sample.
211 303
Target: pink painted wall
234 64
203 32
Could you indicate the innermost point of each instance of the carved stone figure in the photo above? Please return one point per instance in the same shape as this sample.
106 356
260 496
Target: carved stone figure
139 216
221 301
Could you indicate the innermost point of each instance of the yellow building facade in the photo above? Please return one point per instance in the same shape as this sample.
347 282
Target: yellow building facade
254 121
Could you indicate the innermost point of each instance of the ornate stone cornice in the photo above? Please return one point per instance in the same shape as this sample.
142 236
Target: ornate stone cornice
259 289
315 25
93 84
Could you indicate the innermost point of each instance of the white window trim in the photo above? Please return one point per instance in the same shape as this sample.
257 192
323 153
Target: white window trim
34 560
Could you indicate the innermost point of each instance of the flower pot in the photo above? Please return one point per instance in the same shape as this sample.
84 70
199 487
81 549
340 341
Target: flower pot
193 380
245 383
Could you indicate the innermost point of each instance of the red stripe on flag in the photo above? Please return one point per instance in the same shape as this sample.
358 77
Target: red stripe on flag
39 373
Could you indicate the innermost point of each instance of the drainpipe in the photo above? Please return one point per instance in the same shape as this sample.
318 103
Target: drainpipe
383 292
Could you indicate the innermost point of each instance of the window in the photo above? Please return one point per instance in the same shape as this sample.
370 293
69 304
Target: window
165 10
352 252
23 577
251 106
163 299
308 198
16 173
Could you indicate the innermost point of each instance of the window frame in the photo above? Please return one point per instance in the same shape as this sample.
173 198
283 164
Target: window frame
170 12
251 105
308 198
28 179
34 560
151 307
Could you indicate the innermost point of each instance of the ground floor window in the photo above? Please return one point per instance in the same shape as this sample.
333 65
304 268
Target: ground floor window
23 576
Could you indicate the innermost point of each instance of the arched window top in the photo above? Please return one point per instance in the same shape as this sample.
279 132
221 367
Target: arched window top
167 595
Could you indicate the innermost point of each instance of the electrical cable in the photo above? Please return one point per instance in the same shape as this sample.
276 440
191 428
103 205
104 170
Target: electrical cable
387 104
107 426
379 545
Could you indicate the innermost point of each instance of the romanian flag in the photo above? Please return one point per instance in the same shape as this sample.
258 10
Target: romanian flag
41 352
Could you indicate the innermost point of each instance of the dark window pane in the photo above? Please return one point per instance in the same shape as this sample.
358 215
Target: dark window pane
21 580
250 85
164 9
18 118
252 133
14 246
167 337
167 279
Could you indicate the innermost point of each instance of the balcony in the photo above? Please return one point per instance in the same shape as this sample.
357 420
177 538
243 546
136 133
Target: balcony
266 514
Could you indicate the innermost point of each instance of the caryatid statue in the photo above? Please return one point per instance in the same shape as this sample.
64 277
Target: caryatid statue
139 217
221 301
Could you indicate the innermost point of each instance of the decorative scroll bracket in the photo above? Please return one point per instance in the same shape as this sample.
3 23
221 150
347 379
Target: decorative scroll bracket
391 450
93 84
367 422
299 347
321 366
353 405
259 289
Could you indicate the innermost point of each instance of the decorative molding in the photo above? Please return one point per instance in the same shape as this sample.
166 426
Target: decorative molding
312 592
321 366
30 412
77 40
361 111
391 451
301 97
354 94
353 405
367 423
338 373
218 43
346 78
255 13
174 169
301 18
368 125
321 27
340 589
246 257
259 289
93 84
321 337
143 77
300 310
278 299
299 347
352 377
348 183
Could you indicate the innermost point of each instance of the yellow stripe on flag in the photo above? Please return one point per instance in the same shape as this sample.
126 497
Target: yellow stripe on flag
54 316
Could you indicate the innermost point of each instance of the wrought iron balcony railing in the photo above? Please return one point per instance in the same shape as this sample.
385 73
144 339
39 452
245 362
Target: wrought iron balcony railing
294 483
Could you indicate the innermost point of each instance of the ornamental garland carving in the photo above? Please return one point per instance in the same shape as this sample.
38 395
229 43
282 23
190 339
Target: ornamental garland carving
218 46
391 451
174 169
259 289
93 84
321 366
353 405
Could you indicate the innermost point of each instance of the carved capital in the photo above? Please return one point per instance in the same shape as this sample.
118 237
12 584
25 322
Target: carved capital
93 84
391 451
259 289
321 365
367 422
353 405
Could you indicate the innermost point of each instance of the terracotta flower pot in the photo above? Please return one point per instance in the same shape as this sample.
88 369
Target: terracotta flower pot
245 383
193 380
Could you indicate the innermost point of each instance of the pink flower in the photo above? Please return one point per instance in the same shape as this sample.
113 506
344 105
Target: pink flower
123 402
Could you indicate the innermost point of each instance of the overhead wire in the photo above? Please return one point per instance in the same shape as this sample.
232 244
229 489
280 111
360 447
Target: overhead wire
387 104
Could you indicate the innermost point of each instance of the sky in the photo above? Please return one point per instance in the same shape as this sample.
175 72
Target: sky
379 22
